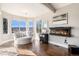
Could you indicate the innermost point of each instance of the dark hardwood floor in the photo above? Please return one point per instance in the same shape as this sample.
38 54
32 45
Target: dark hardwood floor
41 50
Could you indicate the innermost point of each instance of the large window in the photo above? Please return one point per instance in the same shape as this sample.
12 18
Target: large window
44 28
21 25
18 25
30 26
42 25
5 26
39 26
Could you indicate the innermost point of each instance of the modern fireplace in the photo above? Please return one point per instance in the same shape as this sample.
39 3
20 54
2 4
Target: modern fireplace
61 31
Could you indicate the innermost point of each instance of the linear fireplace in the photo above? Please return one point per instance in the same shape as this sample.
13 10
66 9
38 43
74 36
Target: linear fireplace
61 31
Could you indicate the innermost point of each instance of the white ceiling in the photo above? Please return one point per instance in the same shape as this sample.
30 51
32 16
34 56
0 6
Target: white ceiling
60 5
28 9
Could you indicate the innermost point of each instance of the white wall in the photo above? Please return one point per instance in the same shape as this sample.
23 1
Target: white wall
73 21
9 35
1 30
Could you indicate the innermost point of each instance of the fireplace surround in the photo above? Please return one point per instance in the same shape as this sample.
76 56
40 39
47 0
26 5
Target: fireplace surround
61 31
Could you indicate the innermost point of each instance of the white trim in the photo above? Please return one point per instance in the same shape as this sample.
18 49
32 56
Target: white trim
66 46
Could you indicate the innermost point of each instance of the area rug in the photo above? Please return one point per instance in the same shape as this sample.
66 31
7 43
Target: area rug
7 49
8 52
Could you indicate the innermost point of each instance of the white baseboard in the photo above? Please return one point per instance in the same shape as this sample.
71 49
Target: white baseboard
66 46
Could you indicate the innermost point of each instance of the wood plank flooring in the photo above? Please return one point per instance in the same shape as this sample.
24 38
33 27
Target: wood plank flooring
41 50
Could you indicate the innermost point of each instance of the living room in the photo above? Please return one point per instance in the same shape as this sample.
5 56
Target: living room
58 22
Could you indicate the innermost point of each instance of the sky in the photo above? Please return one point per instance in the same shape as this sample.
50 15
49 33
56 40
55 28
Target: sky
22 23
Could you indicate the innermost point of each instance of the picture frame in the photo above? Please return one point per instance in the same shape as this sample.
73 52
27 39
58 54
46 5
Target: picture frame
60 19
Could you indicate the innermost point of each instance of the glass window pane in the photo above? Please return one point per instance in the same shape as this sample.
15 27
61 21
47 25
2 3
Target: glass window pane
22 23
15 26
30 23
15 23
27 23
